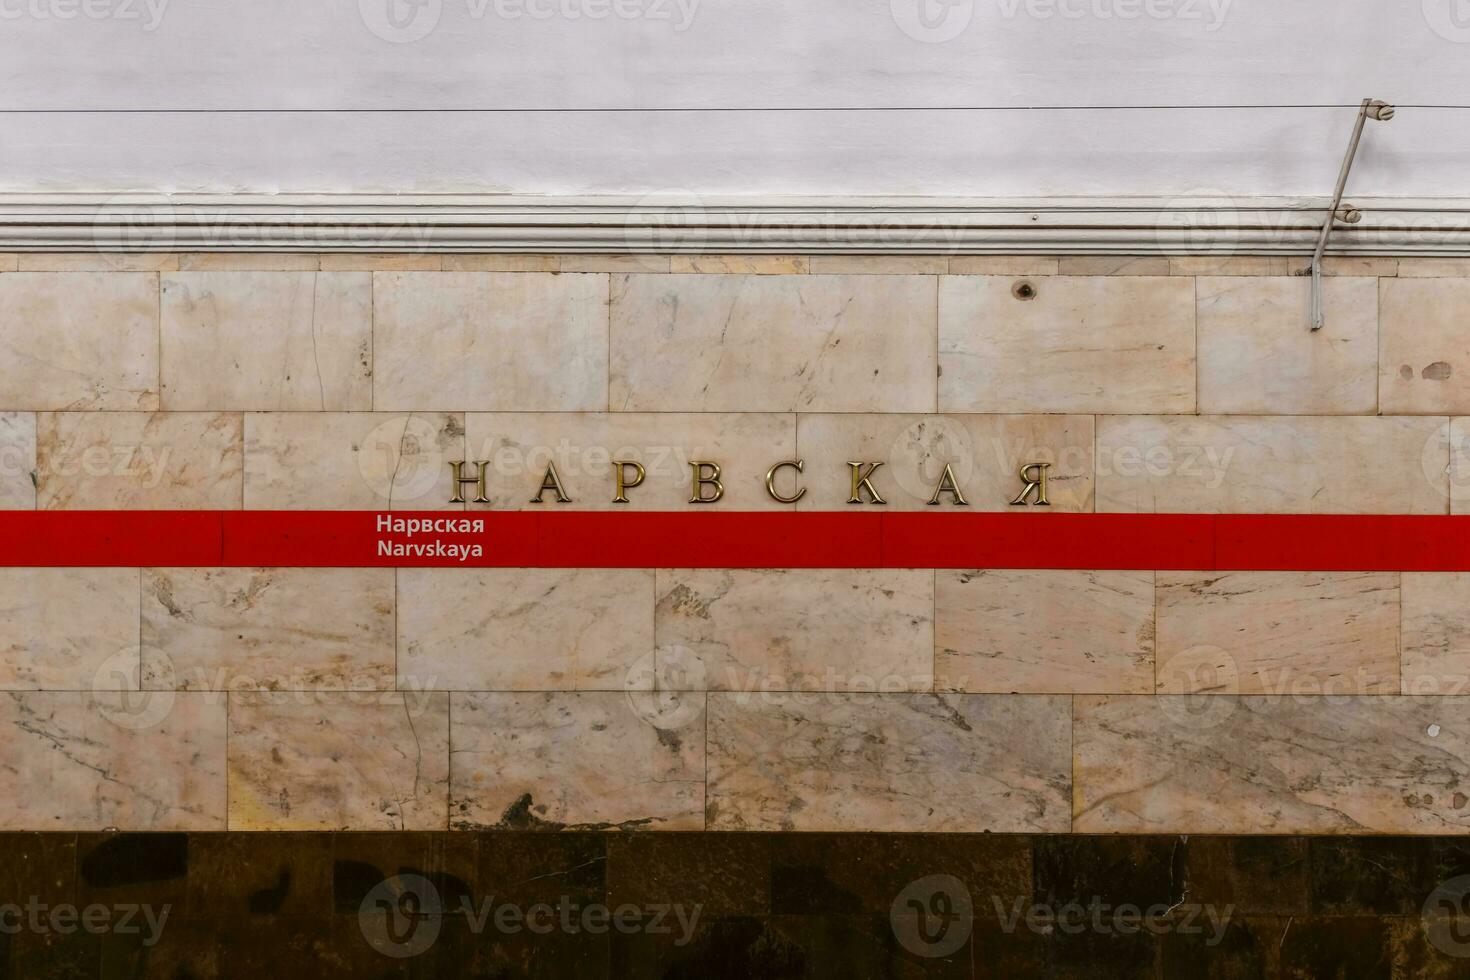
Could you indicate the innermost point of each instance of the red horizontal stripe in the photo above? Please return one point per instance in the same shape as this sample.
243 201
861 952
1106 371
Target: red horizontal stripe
729 539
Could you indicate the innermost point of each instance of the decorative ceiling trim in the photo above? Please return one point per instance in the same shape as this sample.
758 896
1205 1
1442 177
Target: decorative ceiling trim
491 223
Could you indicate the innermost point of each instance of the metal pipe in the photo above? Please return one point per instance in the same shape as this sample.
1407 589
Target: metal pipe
1318 318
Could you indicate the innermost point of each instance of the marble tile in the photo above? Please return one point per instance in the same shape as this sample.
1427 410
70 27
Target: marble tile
1349 265
1002 265
9 262
879 265
351 461
1270 765
896 762
501 263
1424 363
574 262
798 629
1436 633
79 341
17 461
574 761
1230 265
485 341
1239 465
1079 344
70 629
984 452
1433 268
523 629
98 262
1113 265
249 262
1044 631
1454 479
138 461
521 445
1258 357
77 761
339 761
772 343
748 265
399 262
1284 633
268 629
267 341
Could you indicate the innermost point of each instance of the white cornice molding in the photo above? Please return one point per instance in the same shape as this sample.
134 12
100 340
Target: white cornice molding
684 224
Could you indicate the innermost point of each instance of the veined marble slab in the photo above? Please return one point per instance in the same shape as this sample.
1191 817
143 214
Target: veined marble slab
1044 632
523 629
1285 465
1424 346
267 341
268 629
896 762
1222 764
574 761
367 760
1293 633
1083 344
984 452
352 460
1436 637
138 461
17 461
484 341
71 629
78 761
74 341
798 629
817 343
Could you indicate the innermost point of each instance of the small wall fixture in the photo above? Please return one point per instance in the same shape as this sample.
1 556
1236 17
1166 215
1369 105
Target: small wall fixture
1370 109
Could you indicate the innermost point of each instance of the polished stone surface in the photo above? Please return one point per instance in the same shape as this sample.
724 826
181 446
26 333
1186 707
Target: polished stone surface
69 629
1436 632
1424 349
17 461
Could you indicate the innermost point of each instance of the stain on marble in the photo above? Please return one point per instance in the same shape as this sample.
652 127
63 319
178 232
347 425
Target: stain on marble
90 761
1424 348
1436 632
267 341
586 761
721 343
69 629
797 629
582 446
522 629
484 341
17 461
270 629
352 460
79 341
1243 764
138 461
1254 358
1286 465
1084 344
1044 631
1288 633
911 762
984 452
367 760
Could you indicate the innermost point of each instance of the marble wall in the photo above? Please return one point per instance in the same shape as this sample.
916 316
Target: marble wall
733 699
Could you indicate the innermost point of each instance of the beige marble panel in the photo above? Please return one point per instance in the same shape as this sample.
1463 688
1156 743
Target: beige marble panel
17 461
79 341
502 263
1113 265
1286 633
1257 357
1312 465
1349 265
71 629
1080 344
859 629
9 262
877 265
773 343
755 265
486 341
1002 265
984 452
1456 472
98 262
339 761
1424 363
521 445
1436 633
896 762
523 629
573 761
268 629
1231 265
352 460
1271 765
249 262
77 761
1425 268
138 461
615 263
400 262
1044 631
267 341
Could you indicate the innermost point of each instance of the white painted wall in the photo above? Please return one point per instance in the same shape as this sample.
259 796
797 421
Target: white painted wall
322 53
